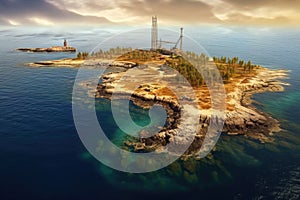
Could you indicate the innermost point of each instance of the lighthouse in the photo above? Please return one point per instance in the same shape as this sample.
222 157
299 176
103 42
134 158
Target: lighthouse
65 43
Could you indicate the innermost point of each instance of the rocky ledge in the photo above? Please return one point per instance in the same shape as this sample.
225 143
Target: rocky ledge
76 63
72 62
247 120
50 49
242 118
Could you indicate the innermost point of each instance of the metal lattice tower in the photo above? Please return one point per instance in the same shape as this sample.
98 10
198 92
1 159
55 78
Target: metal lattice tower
181 38
154 36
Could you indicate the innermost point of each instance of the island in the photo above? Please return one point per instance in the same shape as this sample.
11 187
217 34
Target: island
64 48
241 80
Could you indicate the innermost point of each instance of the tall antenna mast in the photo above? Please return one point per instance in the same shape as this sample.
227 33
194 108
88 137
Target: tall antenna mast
181 38
154 36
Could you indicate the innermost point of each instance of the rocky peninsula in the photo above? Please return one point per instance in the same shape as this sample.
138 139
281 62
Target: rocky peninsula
67 62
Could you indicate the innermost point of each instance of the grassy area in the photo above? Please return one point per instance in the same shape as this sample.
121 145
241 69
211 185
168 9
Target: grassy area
230 69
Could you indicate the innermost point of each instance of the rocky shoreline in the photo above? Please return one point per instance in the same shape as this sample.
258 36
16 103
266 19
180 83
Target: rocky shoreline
244 119
75 63
58 63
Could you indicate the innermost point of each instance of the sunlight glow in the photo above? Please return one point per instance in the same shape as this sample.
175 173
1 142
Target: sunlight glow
40 21
12 22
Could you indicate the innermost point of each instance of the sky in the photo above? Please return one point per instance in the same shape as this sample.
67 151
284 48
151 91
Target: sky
82 12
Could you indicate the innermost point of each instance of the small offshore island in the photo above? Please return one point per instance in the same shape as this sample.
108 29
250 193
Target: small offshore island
64 48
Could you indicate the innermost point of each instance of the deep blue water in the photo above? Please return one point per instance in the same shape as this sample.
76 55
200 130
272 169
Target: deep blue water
42 156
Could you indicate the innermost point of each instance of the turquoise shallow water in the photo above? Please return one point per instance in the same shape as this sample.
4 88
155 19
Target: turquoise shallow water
42 156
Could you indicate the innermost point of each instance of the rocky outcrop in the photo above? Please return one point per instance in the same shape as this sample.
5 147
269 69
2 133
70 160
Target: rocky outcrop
72 62
245 118
84 63
49 50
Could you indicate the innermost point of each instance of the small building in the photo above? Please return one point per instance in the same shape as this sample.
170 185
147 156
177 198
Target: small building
65 43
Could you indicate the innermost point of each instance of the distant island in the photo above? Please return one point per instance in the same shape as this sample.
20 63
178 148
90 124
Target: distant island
64 48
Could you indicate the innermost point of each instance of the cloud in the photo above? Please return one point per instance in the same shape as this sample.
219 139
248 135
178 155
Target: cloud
189 11
267 12
99 8
242 19
51 12
137 11
3 22
254 4
42 13
84 6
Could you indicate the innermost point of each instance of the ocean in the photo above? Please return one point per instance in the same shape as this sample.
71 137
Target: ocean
42 156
